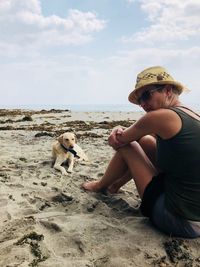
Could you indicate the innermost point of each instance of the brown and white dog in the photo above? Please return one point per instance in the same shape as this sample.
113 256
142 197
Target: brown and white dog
66 149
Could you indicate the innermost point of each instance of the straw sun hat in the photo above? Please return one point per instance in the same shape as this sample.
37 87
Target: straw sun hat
153 75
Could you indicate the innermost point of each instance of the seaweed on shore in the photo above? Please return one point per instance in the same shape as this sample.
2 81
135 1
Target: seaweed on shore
25 118
32 236
177 251
43 134
16 112
76 125
32 239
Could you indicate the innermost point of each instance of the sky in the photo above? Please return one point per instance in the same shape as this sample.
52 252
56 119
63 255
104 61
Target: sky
66 52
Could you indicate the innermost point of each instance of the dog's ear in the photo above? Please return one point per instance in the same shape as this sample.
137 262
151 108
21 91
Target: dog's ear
60 139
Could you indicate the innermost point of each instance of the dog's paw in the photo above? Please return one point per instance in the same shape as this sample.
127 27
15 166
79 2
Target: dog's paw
69 171
64 173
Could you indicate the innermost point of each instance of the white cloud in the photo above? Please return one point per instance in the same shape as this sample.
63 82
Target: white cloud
86 80
170 20
23 24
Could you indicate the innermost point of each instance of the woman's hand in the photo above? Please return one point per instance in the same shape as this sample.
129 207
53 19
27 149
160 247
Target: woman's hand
113 139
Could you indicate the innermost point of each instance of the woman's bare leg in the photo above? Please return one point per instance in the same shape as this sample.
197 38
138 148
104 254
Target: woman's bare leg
140 166
131 157
114 187
115 170
148 144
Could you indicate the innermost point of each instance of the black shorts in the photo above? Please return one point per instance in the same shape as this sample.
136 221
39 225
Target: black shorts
151 193
153 206
173 224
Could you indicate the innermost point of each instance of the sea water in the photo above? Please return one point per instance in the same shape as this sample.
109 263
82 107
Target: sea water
92 107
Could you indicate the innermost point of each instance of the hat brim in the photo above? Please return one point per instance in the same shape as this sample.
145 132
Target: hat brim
137 92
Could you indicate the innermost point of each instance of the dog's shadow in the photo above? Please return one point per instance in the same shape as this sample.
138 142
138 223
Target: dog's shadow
48 163
51 163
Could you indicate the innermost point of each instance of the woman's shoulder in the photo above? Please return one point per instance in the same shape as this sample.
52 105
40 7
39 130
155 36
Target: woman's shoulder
162 113
165 122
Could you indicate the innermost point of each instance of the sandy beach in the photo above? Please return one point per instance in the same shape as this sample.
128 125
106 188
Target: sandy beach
48 220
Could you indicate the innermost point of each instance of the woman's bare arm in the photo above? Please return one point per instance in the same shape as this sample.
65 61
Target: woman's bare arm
163 122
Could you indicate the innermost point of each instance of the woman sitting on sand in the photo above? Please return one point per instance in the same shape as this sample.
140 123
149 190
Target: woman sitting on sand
161 152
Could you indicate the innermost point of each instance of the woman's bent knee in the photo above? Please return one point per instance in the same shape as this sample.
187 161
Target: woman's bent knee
147 140
148 144
133 146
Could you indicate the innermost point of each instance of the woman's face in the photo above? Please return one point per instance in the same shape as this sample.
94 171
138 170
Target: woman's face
153 98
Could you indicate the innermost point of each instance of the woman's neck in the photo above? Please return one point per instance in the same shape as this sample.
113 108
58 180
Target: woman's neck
174 102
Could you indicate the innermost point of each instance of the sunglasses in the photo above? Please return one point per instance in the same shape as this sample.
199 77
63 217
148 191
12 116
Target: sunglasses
147 94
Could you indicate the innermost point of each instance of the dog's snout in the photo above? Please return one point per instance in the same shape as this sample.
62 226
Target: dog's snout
71 146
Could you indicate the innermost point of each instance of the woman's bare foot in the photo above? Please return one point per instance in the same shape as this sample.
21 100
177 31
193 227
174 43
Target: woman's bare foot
92 186
114 188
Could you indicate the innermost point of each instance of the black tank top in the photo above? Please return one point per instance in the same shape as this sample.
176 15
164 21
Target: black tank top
179 158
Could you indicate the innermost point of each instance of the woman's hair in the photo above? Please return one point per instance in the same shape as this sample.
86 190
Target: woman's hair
174 88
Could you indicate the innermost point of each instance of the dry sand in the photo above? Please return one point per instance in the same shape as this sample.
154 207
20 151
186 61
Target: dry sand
47 220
